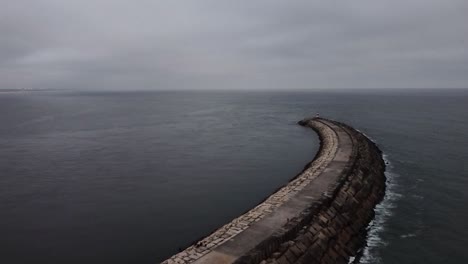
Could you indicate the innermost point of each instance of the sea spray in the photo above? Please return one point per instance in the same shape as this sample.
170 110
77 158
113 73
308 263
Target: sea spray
383 211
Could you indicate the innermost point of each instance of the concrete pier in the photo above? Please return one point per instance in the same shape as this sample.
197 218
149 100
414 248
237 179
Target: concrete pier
318 217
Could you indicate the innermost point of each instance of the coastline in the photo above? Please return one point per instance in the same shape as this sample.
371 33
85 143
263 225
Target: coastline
297 223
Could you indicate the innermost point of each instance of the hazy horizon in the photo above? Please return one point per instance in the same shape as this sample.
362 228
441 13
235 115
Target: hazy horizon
225 45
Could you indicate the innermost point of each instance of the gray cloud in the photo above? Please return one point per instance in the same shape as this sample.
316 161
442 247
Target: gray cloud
217 44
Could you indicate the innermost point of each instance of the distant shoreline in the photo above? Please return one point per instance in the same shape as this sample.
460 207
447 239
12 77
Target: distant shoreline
24 90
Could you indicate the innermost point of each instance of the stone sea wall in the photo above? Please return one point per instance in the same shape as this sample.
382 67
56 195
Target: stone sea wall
320 216
337 229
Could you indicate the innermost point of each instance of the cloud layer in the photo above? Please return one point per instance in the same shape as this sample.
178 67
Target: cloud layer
219 44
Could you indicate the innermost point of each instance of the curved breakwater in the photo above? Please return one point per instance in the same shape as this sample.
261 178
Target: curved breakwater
321 216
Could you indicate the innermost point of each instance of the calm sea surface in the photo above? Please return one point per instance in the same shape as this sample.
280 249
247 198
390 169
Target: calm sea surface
131 177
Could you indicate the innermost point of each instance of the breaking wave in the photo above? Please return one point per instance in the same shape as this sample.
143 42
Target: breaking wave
383 211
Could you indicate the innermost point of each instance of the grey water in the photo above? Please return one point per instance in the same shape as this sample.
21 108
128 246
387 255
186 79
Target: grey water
131 177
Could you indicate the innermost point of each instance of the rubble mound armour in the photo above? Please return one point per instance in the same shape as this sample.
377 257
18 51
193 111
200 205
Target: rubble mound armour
318 217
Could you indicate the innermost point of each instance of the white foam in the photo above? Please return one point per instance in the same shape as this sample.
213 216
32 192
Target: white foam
382 212
409 235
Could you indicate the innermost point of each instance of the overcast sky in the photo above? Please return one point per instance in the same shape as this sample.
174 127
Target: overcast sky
217 44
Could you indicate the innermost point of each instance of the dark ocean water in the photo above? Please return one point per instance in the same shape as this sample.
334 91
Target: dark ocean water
129 177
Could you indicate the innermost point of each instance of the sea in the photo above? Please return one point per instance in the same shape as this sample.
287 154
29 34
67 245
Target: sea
135 176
